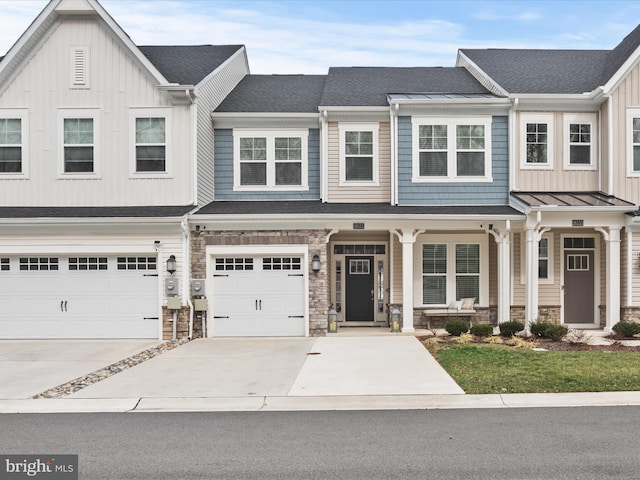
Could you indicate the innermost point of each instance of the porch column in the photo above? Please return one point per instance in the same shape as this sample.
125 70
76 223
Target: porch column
612 240
503 239
408 239
531 269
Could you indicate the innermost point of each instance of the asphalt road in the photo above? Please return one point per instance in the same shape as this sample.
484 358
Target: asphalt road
543 443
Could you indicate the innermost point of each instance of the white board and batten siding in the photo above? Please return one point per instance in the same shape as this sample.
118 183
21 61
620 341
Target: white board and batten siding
116 86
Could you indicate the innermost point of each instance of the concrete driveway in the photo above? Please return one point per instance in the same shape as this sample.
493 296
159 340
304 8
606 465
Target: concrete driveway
29 367
282 367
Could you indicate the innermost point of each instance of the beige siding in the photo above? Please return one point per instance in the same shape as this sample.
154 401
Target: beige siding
548 293
627 94
359 194
116 85
210 94
558 178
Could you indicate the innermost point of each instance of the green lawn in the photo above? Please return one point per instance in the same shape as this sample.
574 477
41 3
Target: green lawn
483 368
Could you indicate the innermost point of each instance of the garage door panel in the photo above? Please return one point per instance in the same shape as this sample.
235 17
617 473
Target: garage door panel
259 296
79 300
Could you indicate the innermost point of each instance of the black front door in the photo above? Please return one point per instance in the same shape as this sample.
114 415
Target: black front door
359 289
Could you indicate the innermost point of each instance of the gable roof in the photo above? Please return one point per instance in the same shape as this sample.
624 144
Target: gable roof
369 86
275 93
188 64
551 71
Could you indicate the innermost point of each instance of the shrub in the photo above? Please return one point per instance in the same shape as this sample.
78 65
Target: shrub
548 329
456 326
464 338
626 329
482 330
509 329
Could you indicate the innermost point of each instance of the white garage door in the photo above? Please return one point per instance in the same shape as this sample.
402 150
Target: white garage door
93 296
258 296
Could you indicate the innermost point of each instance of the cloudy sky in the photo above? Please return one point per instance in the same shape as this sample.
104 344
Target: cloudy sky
306 36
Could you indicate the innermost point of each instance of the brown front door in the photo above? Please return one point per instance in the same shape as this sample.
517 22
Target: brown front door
579 290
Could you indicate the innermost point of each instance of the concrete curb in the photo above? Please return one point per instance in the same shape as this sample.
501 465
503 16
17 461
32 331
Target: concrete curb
327 403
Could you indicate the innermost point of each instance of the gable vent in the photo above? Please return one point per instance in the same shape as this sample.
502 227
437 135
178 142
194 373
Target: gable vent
80 67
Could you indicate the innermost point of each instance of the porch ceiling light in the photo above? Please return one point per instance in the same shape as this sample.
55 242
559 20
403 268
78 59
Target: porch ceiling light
315 264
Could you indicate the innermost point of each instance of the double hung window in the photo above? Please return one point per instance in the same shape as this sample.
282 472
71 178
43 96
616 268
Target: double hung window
359 154
536 141
580 141
270 159
446 149
11 146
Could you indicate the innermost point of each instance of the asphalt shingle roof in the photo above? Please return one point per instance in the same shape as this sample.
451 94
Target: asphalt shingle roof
369 86
318 207
275 93
188 64
553 71
95 212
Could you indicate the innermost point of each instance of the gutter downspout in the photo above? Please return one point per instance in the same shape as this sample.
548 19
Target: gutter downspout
324 152
194 149
393 122
609 146
186 269
514 161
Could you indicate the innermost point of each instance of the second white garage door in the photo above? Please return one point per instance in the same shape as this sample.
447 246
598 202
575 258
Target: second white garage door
258 296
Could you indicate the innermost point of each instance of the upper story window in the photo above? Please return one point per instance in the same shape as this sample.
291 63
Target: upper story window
150 146
14 143
580 141
79 142
451 149
270 159
359 153
633 142
536 141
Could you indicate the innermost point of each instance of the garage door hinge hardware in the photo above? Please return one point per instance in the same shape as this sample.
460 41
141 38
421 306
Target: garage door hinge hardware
220 275
296 274
151 318
63 305
296 316
215 316
150 275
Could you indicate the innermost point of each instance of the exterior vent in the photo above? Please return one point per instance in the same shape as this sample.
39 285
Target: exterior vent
80 67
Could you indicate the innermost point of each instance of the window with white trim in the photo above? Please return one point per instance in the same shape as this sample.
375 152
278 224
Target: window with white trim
446 149
453 270
579 144
633 141
536 141
265 159
545 259
151 146
359 154
11 142
79 148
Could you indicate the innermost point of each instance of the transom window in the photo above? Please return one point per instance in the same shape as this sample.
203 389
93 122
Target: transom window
580 242
151 147
358 153
10 145
78 145
270 159
451 148
536 140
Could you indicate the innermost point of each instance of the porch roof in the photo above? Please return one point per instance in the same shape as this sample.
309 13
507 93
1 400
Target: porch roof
311 207
571 200
95 212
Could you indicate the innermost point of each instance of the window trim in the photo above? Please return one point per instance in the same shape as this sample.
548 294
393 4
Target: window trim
583 119
547 118
271 135
550 260
452 150
135 113
631 114
68 114
374 128
23 116
451 241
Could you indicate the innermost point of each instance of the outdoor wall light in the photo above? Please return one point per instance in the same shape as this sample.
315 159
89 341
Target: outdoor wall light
171 264
315 264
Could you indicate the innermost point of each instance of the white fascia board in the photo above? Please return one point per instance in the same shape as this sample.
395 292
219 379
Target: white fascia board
454 102
622 72
463 61
557 102
343 109
585 209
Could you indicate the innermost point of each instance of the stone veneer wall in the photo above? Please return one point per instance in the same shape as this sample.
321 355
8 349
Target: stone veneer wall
182 329
318 282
